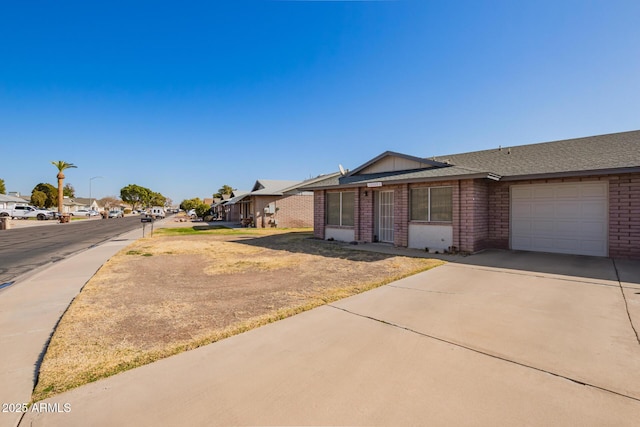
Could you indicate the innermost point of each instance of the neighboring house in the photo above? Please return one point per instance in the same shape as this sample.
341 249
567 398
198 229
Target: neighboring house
8 201
274 203
217 203
259 207
230 210
72 204
577 196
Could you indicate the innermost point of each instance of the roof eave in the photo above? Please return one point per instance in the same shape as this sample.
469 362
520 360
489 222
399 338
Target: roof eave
407 181
591 172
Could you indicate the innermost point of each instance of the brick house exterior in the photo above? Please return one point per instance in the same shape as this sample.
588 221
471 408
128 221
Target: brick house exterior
523 197
273 203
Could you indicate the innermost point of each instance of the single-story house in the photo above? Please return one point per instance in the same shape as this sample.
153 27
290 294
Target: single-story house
229 210
276 203
577 196
73 204
10 200
261 207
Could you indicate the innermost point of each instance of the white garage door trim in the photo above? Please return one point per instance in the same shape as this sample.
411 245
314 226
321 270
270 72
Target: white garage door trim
568 218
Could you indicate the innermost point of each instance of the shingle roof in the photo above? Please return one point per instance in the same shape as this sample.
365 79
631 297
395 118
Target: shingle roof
271 187
11 199
237 196
618 151
306 184
602 152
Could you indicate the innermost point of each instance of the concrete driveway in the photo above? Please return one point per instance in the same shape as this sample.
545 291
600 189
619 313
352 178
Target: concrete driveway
500 338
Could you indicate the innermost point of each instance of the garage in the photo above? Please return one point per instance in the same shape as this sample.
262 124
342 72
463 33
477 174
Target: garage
568 218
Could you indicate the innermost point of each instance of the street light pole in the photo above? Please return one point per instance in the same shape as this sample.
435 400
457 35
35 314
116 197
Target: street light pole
90 199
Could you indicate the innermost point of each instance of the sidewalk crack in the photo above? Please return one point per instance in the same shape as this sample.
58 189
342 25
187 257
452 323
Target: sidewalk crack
484 353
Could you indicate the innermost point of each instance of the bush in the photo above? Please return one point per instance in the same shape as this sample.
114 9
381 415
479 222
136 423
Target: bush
127 211
202 210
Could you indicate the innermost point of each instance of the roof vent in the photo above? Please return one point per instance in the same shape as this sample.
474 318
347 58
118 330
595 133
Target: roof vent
499 147
509 150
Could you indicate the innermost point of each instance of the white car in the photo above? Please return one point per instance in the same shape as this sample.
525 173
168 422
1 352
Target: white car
25 212
84 212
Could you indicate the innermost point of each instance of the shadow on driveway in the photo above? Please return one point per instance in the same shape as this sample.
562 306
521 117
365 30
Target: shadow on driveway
588 267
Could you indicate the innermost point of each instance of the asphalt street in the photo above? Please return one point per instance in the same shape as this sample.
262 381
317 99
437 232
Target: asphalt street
22 250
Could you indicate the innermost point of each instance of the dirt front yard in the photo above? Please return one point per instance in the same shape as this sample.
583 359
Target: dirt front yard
188 287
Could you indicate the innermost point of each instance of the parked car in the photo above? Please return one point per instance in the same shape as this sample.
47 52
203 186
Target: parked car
26 211
84 212
156 212
192 214
116 214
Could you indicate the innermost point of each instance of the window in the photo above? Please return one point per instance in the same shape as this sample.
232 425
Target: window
441 207
431 204
341 208
420 204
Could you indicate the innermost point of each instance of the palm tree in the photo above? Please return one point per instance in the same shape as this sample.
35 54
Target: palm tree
61 165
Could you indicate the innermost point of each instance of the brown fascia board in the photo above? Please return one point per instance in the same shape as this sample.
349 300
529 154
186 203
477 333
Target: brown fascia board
598 172
406 181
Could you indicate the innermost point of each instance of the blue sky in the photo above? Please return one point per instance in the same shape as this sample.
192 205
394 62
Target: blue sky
183 97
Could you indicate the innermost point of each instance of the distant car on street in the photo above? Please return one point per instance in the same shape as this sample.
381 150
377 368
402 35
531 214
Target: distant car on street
84 212
116 214
157 212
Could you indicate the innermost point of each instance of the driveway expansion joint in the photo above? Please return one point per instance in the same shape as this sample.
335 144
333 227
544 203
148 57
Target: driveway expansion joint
532 274
422 290
626 303
484 353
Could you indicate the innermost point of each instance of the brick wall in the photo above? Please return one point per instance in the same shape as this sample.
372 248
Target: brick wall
498 220
356 208
401 216
474 215
294 211
624 216
319 213
291 211
366 206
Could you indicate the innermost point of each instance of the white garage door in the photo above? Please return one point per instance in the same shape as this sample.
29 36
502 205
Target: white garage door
568 218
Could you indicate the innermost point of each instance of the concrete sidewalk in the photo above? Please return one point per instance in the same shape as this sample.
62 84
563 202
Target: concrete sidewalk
30 310
456 345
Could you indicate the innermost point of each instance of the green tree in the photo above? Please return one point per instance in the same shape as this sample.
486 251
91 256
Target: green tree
189 204
202 209
3 189
225 189
68 190
109 202
157 199
61 166
135 195
38 198
50 192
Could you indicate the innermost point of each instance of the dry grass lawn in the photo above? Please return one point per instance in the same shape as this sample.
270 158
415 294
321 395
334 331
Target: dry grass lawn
185 288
